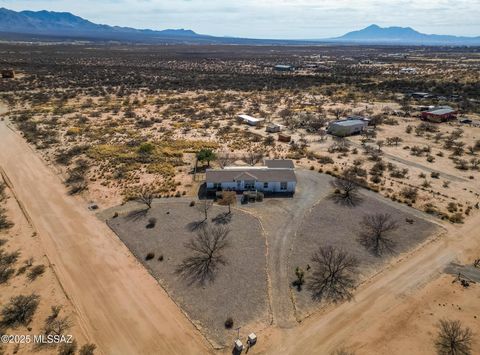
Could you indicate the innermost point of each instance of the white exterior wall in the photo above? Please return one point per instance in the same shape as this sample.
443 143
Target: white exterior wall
272 186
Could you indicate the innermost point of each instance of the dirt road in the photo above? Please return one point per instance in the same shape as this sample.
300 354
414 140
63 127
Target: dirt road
121 307
375 302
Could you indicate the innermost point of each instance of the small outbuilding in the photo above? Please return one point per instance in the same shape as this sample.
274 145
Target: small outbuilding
252 121
252 339
348 127
285 138
273 128
439 114
8 74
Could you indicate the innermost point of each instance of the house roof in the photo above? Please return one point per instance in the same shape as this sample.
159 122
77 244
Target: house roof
349 123
263 175
441 111
279 163
250 118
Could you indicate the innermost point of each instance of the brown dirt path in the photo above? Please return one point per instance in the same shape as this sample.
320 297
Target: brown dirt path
120 306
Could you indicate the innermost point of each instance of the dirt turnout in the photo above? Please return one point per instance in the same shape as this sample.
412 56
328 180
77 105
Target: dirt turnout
119 304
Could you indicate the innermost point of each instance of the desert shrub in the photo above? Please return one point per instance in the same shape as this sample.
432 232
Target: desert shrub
150 256
20 310
229 323
325 159
6 272
35 272
409 193
87 349
435 175
5 223
456 218
8 259
68 348
152 221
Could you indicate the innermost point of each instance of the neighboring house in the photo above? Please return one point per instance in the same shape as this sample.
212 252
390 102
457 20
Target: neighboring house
283 67
439 114
276 176
252 121
348 127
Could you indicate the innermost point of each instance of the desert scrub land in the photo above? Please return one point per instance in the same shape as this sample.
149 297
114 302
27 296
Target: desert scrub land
158 237
32 301
114 120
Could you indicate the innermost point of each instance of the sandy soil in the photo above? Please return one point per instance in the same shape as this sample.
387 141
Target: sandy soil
21 237
119 305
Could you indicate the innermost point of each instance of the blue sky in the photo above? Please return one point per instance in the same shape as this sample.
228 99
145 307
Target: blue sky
272 18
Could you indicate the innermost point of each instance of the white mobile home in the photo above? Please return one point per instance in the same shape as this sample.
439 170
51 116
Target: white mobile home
252 121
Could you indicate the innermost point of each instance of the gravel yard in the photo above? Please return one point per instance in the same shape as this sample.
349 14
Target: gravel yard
329 223
238 291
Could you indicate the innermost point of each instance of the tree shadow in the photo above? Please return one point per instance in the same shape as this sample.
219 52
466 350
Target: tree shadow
193 226
135 215
350 200
222 218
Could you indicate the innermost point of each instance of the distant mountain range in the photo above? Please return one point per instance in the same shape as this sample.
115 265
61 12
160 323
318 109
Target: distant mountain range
402 35
48 25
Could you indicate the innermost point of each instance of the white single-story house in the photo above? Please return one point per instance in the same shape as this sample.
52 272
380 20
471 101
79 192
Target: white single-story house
276 176
252 121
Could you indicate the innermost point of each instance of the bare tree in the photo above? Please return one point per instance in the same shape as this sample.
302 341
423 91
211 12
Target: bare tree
375 235
332 274
145 196
224 159
203 206
253 157
207 245
229 198
453 339
346 190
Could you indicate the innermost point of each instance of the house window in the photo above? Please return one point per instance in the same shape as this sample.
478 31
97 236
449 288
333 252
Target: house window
249 185
283 186
265 185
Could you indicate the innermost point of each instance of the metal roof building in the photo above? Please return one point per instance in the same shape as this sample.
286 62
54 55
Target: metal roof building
343 128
